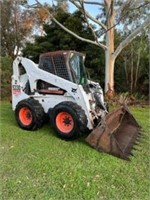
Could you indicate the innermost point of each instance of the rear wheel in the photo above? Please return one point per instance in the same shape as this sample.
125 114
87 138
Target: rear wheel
69 120
29 114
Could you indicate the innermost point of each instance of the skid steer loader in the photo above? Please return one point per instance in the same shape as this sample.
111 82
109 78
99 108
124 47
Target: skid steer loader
58 87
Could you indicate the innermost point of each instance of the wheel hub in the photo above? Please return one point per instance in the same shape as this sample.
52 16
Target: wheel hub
28 115
67 121
25 116
64 122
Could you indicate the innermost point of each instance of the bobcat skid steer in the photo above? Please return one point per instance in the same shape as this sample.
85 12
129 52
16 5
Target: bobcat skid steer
58 87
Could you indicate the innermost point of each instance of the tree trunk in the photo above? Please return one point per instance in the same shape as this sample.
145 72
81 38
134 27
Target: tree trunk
126 71
132 71
137 65
109 73
109 59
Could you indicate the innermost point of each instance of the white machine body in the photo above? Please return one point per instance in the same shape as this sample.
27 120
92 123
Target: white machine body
72 92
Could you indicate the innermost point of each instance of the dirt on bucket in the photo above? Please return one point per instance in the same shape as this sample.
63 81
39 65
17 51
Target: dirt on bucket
117 134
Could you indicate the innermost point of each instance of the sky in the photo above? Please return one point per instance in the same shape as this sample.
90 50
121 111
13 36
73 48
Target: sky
93 10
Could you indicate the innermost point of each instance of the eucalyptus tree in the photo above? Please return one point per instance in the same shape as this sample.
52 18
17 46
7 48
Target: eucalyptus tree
112 14
135 65
16 24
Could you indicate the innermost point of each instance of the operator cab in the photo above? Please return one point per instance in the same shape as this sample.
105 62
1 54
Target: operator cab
65 64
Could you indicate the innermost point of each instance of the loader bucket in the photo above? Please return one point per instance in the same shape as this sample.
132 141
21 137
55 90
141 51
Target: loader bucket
116 134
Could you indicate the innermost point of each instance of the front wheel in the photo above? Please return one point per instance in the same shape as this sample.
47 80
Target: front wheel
69 120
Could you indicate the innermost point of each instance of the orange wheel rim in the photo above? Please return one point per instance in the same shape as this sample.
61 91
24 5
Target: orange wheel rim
64 122
25 116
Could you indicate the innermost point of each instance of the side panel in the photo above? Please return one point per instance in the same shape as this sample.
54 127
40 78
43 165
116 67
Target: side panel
49 101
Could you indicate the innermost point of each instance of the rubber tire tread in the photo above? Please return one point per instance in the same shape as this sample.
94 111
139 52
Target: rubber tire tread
37 111
80 117
81 114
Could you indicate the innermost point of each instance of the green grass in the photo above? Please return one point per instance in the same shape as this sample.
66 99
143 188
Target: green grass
38 165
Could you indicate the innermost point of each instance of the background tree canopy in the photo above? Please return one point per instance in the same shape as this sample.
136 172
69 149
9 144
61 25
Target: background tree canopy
131 67
56 39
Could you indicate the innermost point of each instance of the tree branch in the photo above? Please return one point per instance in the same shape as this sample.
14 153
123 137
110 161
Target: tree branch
141 6
69 31
88 15
94 3
89 25
77 36
125 42
33 5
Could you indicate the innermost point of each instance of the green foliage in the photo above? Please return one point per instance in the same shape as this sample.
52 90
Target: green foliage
5 73
15 26
57 39
131 68
38 165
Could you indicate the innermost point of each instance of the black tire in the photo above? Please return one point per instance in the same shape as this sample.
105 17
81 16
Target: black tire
74 120
29 114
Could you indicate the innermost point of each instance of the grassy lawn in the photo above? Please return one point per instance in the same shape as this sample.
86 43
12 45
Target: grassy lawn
38 165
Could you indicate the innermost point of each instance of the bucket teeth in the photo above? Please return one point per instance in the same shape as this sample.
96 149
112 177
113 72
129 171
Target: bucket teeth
131 154
126 158
139 136
135 149
138 139
136 143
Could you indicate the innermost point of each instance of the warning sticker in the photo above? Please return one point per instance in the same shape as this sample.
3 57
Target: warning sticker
16 89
